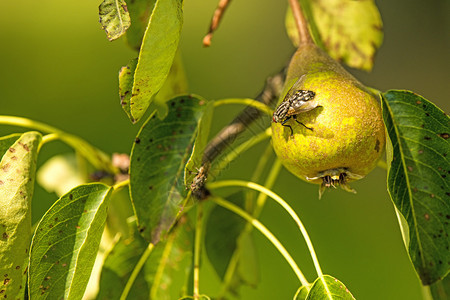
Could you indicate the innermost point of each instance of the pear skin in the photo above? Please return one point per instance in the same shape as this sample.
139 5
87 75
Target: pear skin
343 134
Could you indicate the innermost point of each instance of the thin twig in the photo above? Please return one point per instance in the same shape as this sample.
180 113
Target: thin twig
302 24
258 225
218 13
197 249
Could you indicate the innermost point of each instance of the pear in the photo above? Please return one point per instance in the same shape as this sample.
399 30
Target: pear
334 136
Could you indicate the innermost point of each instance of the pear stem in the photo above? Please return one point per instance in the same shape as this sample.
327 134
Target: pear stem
302 24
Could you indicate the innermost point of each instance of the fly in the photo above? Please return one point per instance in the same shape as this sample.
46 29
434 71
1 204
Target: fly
296 101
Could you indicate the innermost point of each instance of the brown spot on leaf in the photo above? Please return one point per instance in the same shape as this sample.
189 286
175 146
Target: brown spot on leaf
5 235
420 151
427 217
6 281
419 102
444 135
5 168
25 146
1 182
410 168
137 140
427 138
71 196
12 150
17 267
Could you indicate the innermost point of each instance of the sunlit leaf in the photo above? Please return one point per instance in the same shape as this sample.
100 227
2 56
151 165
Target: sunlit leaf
114 18
17 173
156 55
301 293
418 178
175 84
158 159
140 12
60 174
66 242
333 290
351 31
126 79
158 278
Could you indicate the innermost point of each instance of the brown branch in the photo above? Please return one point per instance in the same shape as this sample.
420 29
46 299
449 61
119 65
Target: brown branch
218 13
228 135
300 21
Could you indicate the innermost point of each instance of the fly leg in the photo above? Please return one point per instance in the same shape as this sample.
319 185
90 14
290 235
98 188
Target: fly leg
295 118
287 125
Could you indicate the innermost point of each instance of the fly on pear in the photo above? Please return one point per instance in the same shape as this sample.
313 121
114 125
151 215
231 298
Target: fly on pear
296 101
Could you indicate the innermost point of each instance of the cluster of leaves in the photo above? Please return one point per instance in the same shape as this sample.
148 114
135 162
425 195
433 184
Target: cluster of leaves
152 249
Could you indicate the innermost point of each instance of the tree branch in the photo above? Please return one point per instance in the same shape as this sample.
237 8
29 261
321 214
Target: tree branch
226 137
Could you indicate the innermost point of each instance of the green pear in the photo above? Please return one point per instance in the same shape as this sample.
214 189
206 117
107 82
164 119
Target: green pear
328 128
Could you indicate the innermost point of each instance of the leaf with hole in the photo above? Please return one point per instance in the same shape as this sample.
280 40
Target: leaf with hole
351 31
66 242
158 159
114 18
418 178
156 54
17 173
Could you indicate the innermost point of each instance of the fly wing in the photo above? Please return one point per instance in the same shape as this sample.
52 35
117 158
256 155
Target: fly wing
302 101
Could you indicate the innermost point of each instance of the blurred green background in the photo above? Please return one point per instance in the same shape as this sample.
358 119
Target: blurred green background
59 68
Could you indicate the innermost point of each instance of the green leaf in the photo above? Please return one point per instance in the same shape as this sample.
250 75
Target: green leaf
334 289
351 31
126 79
156 55
418 178
301 293
158 159
158 278
221 247
196 158
114 18
66 242
200 297
140 12
235 247
175 84
439 290
17 173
